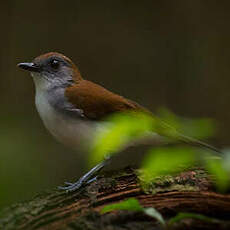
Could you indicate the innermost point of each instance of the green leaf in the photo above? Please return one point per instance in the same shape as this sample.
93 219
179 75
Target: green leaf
185 215
226 160
166 160
200 128
219 168
120 130
133 204
155 214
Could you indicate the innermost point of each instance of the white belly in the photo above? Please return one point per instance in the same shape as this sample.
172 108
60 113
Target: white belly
74 133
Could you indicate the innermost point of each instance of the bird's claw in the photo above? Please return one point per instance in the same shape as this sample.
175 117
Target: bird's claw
70 186
68 183
75 186
84 180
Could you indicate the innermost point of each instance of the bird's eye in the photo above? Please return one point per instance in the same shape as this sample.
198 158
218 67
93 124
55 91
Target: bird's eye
54 64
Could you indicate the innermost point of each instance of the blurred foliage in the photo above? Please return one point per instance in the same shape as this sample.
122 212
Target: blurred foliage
121 129
197 128
219 167
185 215
124 128
162 160
166 160
133 204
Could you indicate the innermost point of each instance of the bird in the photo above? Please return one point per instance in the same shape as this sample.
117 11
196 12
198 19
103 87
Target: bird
74 109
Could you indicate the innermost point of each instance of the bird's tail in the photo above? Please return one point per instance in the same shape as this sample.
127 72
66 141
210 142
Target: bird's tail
173 134
197 143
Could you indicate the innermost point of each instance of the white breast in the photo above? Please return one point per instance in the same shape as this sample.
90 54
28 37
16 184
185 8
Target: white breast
72 132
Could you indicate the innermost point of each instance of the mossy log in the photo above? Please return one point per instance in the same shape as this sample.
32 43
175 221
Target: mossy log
190 191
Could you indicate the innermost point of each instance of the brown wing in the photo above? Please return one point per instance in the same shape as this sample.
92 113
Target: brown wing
97 102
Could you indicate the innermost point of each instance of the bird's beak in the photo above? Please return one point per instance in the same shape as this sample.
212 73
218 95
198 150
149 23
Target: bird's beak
29 66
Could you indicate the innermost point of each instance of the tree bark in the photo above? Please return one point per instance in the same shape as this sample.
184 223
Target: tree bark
190 191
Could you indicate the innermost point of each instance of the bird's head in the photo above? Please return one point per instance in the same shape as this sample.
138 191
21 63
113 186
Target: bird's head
53 69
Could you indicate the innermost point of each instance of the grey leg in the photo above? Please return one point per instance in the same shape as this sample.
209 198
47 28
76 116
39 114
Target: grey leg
86 179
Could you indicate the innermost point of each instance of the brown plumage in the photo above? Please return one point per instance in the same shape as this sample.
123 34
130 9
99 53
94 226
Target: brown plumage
97 102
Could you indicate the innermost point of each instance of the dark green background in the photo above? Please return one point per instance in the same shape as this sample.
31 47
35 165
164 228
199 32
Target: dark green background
159 53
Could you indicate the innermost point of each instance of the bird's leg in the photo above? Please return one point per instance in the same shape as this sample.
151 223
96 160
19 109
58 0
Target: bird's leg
86 179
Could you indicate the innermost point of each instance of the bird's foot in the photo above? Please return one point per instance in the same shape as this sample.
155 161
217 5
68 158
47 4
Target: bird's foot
77 185
86 179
